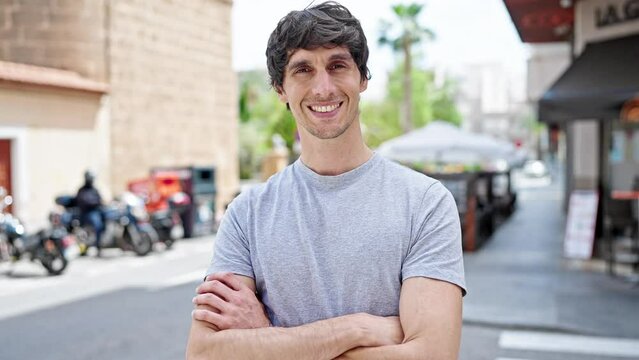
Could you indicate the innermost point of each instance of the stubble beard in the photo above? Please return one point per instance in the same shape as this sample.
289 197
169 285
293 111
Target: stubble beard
328 134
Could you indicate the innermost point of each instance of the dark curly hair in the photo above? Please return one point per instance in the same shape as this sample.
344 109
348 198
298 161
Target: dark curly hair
326 24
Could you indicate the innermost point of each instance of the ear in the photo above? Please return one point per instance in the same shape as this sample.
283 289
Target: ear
363 85
281 94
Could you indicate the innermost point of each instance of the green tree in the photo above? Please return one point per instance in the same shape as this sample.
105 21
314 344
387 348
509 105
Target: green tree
381 120
262 115
443 103
401 37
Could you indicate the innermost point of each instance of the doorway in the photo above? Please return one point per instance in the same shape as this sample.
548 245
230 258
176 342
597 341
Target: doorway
5 167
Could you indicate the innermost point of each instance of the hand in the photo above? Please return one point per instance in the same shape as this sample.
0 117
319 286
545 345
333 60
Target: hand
227 303
378 331
381 331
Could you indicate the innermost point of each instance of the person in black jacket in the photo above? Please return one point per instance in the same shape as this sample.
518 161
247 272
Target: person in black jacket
89 201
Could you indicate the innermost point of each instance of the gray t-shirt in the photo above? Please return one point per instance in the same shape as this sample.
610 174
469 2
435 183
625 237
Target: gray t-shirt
324 246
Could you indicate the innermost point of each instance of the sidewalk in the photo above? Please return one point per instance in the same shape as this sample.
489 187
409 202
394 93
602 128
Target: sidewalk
519 279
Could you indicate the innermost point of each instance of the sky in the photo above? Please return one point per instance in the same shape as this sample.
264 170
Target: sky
467 32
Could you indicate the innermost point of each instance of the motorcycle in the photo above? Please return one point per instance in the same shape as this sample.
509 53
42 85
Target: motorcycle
126 225
52 247
69 218
168 222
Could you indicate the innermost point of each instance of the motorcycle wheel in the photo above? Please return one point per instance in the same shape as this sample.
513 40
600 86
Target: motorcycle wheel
143 245
53 260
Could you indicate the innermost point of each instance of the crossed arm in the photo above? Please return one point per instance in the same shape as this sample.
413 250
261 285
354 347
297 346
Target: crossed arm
229 322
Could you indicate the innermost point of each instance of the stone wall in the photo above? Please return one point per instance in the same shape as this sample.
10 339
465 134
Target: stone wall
173 91
63 34
172 97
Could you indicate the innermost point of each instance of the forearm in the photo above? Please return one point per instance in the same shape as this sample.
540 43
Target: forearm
406 351
431 319
324 339
412 350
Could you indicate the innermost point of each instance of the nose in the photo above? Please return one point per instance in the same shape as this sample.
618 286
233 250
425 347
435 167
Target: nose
323 86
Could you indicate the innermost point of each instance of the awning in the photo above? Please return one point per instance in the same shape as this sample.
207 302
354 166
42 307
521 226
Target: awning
596 84
542 21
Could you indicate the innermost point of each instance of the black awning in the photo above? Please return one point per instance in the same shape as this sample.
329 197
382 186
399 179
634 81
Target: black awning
596 84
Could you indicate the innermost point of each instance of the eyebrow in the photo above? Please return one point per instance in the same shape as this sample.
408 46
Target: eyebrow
341 56
334 57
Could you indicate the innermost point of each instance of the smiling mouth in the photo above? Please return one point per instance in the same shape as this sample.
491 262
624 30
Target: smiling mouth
325 108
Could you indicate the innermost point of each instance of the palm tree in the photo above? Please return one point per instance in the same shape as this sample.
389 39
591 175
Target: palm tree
411 33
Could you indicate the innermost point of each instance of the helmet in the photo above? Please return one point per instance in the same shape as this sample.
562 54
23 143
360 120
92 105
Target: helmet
89 176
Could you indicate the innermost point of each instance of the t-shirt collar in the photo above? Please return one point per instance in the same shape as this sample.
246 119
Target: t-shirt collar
335 181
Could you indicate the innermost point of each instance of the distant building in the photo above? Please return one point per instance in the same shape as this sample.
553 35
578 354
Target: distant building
546 63
116 86
492 101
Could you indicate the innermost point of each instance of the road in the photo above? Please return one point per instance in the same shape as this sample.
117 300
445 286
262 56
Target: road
127 307
117 307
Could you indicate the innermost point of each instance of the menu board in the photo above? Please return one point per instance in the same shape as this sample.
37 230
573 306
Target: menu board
581 223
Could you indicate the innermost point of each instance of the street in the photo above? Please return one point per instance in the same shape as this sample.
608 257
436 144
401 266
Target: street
116 307
127 307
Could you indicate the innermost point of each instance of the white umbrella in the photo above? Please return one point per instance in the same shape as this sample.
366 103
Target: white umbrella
443 142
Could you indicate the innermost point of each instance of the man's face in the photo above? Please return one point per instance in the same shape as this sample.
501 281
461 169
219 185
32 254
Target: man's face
322 88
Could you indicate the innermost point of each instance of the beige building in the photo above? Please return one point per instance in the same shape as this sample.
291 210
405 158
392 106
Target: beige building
117 86
52 127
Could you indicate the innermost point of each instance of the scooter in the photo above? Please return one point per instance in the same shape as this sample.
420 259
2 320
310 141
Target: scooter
69 218
126 225
52 247
168 222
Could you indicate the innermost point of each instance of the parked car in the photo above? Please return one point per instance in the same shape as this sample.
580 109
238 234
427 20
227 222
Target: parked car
535 168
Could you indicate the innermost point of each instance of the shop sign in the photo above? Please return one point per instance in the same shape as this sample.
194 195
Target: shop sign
581 223
612 14
630 111
600 20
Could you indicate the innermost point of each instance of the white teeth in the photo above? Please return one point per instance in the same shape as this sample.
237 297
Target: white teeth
324 109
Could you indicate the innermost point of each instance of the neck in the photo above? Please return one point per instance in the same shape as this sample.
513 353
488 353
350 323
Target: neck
335 156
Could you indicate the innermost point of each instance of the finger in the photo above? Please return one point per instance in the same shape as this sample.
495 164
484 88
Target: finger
229 279
207 308
209 317
210 277
216 287
211 300
218 275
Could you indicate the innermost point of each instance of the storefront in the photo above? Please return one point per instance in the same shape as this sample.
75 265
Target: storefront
592 101
598 89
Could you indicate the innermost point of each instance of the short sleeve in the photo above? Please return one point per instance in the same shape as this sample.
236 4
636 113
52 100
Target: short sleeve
436 246
231 250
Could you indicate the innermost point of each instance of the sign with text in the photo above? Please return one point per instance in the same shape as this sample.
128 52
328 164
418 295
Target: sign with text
580 226
598 20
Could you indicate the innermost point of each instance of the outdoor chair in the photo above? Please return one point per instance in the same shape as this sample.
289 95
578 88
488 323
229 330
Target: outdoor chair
620 234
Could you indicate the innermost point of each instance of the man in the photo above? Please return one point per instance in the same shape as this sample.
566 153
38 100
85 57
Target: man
343 254
89 201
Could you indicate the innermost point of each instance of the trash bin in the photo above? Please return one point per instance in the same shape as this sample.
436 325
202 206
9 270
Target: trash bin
202 194
199 184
